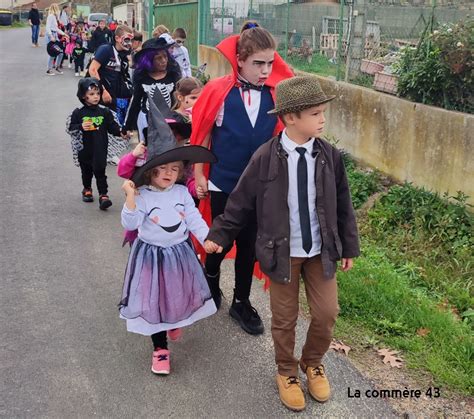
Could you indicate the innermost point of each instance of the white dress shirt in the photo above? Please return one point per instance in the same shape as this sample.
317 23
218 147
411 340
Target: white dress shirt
296 241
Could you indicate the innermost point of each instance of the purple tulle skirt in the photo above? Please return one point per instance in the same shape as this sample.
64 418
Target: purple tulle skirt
164 288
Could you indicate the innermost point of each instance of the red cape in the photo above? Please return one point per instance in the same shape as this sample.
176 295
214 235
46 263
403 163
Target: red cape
207 106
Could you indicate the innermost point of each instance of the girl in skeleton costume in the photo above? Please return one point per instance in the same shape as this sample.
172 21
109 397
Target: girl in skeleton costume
165 287
155 71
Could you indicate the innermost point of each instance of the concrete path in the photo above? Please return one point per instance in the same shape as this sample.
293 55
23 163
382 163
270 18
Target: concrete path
63 350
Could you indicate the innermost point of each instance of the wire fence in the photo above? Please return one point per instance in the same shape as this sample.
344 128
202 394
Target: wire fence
357 41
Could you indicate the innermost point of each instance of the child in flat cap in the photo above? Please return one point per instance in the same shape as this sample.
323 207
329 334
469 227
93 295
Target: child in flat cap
297 184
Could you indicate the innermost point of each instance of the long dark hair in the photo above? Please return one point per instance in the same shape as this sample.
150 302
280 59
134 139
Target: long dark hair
144 64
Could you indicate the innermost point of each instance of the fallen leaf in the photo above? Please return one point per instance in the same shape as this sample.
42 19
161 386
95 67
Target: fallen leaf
339 346
390 357
423 332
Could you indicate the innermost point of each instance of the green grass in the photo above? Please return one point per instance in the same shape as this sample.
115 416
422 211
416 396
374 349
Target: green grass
416 271
15 25
379 299
319 64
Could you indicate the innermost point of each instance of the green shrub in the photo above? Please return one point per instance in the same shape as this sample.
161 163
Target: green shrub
440 70
362 184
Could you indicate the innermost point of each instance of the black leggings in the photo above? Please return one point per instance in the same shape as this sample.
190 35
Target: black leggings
160 340
245 244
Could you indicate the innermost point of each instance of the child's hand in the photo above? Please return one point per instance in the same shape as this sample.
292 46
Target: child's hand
88 126
129 187
201 187
139 150
211 247
346 264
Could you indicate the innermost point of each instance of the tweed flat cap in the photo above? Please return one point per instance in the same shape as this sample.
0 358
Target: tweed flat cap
298 93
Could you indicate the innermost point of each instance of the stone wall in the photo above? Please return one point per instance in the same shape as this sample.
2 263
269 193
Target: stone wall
408 141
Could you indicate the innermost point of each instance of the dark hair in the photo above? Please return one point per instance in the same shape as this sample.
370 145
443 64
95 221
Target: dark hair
185 87
144 64
149 173
179 33
254 38
137 36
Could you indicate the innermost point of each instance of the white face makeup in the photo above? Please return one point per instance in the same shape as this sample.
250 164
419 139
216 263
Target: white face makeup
257 67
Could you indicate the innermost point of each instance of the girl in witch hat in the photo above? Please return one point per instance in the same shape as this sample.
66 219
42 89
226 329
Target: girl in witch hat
165 287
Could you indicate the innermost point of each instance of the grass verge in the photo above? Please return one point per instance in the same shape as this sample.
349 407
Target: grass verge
411 289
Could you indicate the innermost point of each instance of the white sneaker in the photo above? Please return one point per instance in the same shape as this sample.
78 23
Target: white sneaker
69 65
114 160
76 74
50 73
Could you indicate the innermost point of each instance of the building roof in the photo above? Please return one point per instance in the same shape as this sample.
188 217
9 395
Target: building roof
42 4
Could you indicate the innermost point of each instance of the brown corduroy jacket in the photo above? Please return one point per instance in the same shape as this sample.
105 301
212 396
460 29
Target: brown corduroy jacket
263 187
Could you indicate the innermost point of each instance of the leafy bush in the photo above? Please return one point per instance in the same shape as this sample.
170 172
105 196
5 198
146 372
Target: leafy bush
440 70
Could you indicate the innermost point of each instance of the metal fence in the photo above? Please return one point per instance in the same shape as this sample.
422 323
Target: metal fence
356 41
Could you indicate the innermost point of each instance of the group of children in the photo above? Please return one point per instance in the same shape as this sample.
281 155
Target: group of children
262 176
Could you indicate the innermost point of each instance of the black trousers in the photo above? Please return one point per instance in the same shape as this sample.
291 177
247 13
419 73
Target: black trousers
78 65
93 165
245 244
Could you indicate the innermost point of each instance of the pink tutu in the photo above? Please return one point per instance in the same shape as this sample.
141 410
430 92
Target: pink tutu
69 48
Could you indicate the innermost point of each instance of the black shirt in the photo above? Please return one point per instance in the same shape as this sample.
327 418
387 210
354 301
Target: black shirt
100 37
113 71
34 16
144 85
78 54
95 141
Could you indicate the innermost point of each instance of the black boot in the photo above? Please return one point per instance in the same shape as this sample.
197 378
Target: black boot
246 316
216 293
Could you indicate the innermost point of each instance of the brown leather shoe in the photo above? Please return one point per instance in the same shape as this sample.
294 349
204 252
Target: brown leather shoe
318 384
290 391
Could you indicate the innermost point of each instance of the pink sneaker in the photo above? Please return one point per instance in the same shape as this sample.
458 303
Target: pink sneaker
175 334
161 362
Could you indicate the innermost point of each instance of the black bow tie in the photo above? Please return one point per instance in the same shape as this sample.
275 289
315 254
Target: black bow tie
246 86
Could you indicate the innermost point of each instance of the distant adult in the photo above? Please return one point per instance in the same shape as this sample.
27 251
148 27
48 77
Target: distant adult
101 36
64 17
110 65
52 34
34 21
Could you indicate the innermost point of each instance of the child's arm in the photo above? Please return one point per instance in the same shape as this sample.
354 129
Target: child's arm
240 204
346 220
75 123
112 126
199 178
133 212
126 165
194 220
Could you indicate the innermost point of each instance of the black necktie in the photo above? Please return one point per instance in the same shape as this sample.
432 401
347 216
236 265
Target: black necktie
302 180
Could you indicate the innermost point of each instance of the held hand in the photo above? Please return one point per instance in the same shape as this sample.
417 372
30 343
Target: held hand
211 247
139 150
129 187
201 187
346 264
106 97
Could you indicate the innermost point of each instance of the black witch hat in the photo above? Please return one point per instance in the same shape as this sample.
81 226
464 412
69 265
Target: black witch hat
162 146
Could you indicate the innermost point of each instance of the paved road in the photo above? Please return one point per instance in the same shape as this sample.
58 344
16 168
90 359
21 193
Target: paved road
63 350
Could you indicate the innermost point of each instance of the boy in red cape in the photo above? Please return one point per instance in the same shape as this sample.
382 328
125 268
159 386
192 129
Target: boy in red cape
230 117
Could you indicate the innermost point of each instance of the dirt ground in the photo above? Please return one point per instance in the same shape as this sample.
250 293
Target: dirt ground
448 405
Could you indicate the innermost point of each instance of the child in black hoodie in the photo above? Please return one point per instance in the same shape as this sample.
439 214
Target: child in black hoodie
89 127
